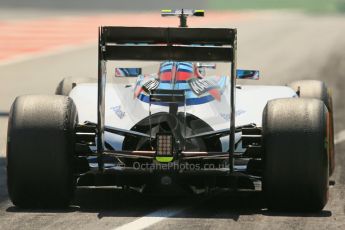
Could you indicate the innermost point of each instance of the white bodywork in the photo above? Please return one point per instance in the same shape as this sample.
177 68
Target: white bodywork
123 111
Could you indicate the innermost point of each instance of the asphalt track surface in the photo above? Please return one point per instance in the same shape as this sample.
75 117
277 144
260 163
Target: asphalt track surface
284 46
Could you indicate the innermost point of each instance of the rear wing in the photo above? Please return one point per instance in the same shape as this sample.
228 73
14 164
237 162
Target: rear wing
158 44
162 44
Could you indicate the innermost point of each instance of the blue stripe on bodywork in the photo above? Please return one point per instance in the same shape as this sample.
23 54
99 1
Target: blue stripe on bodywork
189 101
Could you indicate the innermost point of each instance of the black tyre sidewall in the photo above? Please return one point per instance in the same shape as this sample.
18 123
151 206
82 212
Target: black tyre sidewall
40 151
295 157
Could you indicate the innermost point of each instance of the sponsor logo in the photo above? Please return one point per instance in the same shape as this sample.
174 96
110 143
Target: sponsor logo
226 116
201 86
150 85
239 112
119 113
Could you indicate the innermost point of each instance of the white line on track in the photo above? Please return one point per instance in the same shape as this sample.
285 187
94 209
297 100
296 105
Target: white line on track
151 219
339 137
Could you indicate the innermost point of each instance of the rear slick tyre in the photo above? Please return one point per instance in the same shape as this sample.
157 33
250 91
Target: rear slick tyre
40 151
295 157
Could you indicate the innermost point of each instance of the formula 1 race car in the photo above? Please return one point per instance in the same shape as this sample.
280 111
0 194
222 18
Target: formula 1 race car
176 118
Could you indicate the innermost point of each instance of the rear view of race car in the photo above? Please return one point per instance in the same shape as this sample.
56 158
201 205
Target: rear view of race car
187 124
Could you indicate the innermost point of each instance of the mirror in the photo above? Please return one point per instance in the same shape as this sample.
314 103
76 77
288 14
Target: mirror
127 72
248 74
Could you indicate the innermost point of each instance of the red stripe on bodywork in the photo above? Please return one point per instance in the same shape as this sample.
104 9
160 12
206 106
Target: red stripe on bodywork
183 76
180 76
165 76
